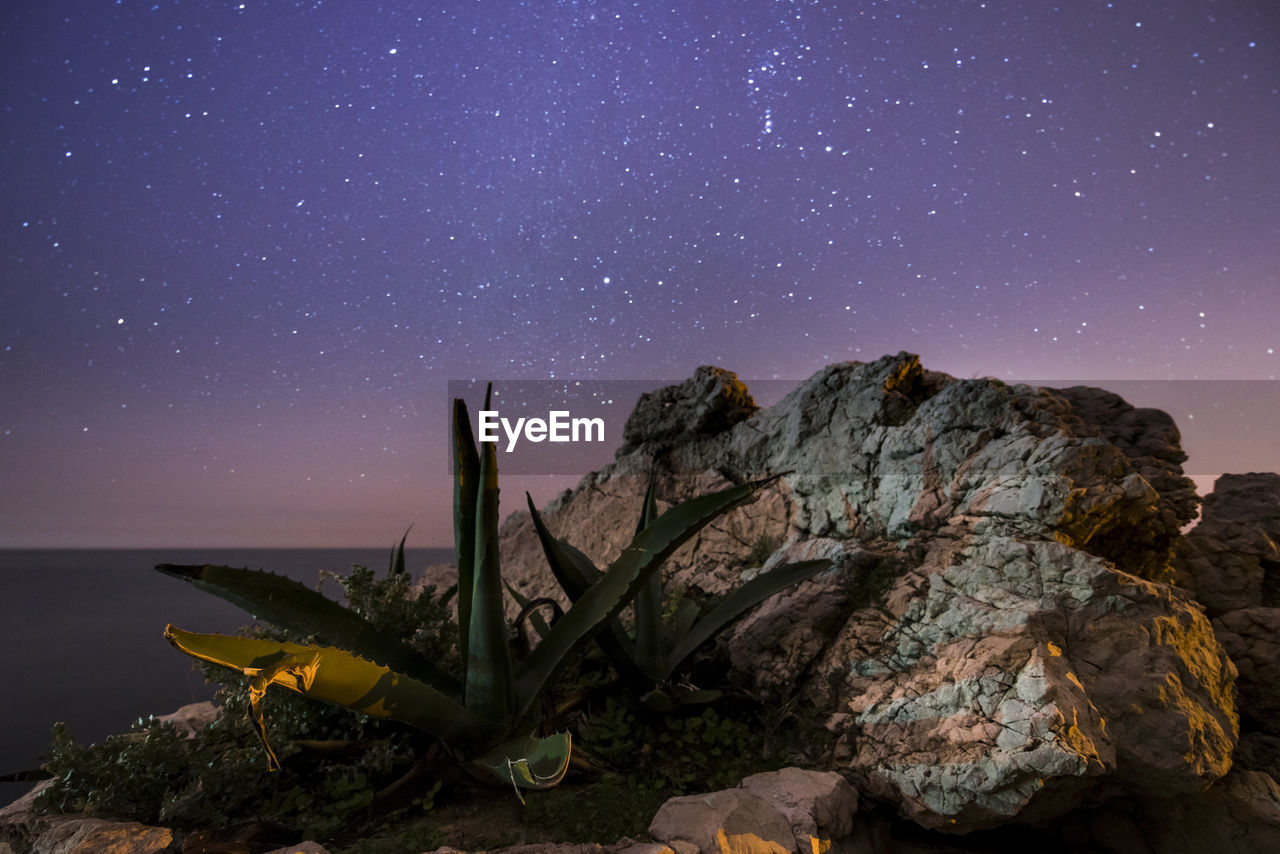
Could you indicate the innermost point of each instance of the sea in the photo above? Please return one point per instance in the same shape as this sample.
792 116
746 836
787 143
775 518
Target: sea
82 635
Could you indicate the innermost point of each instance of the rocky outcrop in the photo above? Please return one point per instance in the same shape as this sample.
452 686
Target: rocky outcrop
999 638
1016 643
1231 558
1231 561
25 832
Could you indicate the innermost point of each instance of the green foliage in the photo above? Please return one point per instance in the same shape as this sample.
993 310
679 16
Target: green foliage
155 776
615 806
488 715
665 634
126 775
423 622
387 658
691 749
408 836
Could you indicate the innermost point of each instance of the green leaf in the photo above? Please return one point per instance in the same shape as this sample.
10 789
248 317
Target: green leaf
466 484
529 608
608 596
576 574
737 603
687 611
488 686
573 569
530 763
297 608
650 655
397 556
339 677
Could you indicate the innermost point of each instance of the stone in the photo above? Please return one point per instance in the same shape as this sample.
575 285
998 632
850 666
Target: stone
543 848
191 718
1251 637
1258 751
1015 646
819 806
998 635
1231 558
1015 669
709 402
26 832
301 848
731 820
1239 815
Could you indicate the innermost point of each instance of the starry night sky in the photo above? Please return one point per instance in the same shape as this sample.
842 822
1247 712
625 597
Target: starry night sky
245 246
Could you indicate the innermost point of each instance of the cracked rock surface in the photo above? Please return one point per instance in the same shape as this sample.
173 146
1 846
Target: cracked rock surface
999 637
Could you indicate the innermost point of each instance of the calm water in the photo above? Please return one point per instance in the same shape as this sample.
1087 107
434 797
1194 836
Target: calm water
82 635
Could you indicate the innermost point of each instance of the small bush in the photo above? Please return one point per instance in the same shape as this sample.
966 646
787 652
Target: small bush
335 760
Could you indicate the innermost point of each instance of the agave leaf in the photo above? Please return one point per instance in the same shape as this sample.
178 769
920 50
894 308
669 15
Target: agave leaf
530 608
397 556
650 655
487 687
531 762
573 569
336 676
687 611
736 603
466 481
576 573
297 608
608 596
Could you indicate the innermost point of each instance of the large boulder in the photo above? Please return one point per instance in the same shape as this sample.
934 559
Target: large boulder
1231 561
997 637
1231 558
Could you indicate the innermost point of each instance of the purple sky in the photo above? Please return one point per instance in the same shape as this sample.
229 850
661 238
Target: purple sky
244 247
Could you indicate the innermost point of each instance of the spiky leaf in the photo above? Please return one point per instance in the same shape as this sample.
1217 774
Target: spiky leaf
293 606
737 603
339 677
650 655
466 484
397 556
530 763
488 686
573 569
619 584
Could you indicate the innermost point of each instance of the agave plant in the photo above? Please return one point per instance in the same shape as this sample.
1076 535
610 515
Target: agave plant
658 647
489 715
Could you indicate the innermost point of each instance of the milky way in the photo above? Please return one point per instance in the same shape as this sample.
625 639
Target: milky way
246 246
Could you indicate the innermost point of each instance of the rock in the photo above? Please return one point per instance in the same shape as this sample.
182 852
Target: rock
26 832
709 402
191 718
1014 643
1258 751
1239 815
1231 559
997 638
1150 440
302 848
1003 677
819 806
731 820
564 848
1251 636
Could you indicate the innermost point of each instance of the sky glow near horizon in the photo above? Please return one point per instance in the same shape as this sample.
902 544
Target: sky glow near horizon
246 246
